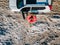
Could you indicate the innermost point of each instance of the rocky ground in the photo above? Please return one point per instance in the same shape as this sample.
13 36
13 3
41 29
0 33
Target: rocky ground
16 31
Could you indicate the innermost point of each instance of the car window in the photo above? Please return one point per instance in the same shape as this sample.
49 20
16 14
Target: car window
20 4
45 2
42 2
30 2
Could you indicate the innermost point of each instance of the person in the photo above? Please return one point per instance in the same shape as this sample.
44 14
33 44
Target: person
23 14
25 11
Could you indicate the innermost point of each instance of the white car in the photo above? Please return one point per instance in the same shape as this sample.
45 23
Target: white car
36 6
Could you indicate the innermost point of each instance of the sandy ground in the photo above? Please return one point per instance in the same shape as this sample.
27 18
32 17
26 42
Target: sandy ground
16 31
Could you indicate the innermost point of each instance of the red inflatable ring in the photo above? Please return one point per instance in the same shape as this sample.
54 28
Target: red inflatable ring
31 18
